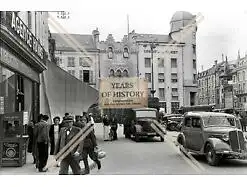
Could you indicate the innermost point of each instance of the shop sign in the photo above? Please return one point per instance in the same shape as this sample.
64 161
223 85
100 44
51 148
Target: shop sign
10 60
123 92
26 35
10 151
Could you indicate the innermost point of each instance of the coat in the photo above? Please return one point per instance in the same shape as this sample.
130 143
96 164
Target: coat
42 132
62 140
90 141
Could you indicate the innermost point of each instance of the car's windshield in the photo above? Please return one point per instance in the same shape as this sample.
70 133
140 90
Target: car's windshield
145 113
220 121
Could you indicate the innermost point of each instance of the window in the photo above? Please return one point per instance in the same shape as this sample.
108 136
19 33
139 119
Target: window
161 77
194 63
85 61
194 49
188 122
111 73
86 76
243 75
196 123
148 77
173 62
147 62
174 90
174 52
118 73
161 92
81 75
125 73
174 77
175 98
234 78
72 72
149 91
174 106
71 62
110 53
161 62
29 20
244 87
126 53
194 78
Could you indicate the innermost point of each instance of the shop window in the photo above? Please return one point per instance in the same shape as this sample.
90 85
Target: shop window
174 106
20 93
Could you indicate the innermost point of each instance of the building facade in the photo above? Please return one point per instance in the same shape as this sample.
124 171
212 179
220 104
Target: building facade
23 57
173 58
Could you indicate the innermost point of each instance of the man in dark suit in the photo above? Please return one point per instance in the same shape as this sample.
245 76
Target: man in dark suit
43 142
65 135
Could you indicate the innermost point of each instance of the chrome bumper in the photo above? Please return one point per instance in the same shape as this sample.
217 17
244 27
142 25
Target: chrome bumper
242 155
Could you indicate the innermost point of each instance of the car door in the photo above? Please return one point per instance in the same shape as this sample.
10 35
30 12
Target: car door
186 129
196 134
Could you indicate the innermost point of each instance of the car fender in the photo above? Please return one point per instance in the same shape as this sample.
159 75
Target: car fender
218 144
138 128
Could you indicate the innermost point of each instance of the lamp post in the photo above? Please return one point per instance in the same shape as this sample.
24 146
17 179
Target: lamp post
152 47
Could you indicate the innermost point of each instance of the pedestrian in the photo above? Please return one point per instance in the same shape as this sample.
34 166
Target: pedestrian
89 147
78 122
43 142
239 119
65 135
35 146
91 120
106 128
30 132
114 127
53 133
62 123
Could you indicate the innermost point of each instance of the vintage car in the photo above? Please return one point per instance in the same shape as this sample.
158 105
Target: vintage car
172 121
215 135
140 122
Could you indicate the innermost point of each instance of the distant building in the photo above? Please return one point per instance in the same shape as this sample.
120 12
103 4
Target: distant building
174 59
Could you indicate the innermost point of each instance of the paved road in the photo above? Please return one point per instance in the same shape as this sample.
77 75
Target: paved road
151 157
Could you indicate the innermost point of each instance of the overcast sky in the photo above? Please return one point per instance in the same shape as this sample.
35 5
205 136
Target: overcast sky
223 30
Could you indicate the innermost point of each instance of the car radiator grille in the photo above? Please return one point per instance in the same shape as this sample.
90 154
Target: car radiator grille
237 140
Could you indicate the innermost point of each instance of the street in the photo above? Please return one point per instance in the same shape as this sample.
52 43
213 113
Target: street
149 157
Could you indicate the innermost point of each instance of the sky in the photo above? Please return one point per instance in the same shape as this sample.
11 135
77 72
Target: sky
222 31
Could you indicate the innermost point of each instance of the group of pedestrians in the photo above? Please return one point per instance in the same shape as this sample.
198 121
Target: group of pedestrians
43 136
110 128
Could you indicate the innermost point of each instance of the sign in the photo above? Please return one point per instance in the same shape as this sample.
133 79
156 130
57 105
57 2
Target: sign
123 93
10 151
10 60
25 35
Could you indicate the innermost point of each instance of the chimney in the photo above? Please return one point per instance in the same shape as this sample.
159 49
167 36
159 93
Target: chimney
202 67
95 34
222 57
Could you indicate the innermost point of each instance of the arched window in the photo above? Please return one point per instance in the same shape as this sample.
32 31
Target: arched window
111 73
110 53
118 73
126 53
125 73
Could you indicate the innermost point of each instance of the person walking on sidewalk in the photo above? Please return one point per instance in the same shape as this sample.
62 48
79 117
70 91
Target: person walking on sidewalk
114 127
66 134
89 147
106 128
30 132
43 142
35 136
53 133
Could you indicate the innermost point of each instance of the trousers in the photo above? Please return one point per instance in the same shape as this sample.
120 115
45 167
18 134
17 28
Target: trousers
71 161
89 151
42 154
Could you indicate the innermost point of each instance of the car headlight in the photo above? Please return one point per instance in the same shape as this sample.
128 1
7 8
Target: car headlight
225 137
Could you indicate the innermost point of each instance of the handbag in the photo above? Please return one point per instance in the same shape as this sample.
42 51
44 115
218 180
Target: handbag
100 153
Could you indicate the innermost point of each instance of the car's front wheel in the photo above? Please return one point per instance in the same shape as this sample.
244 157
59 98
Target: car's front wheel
212 158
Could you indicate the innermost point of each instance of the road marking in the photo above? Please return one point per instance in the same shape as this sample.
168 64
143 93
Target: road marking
191 160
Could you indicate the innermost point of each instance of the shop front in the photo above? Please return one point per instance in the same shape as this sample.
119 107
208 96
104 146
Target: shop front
22 59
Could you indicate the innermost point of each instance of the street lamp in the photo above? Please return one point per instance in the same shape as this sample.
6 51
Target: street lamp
152 47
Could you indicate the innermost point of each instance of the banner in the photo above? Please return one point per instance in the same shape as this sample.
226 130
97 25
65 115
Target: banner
123 93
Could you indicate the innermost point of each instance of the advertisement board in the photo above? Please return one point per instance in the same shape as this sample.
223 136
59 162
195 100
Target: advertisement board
123 92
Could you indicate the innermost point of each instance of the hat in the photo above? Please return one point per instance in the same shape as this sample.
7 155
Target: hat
68 119
90 114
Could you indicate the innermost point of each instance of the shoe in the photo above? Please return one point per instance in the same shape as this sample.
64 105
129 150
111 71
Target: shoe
43 170
98 164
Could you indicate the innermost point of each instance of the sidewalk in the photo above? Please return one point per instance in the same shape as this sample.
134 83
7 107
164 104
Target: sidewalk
29 168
